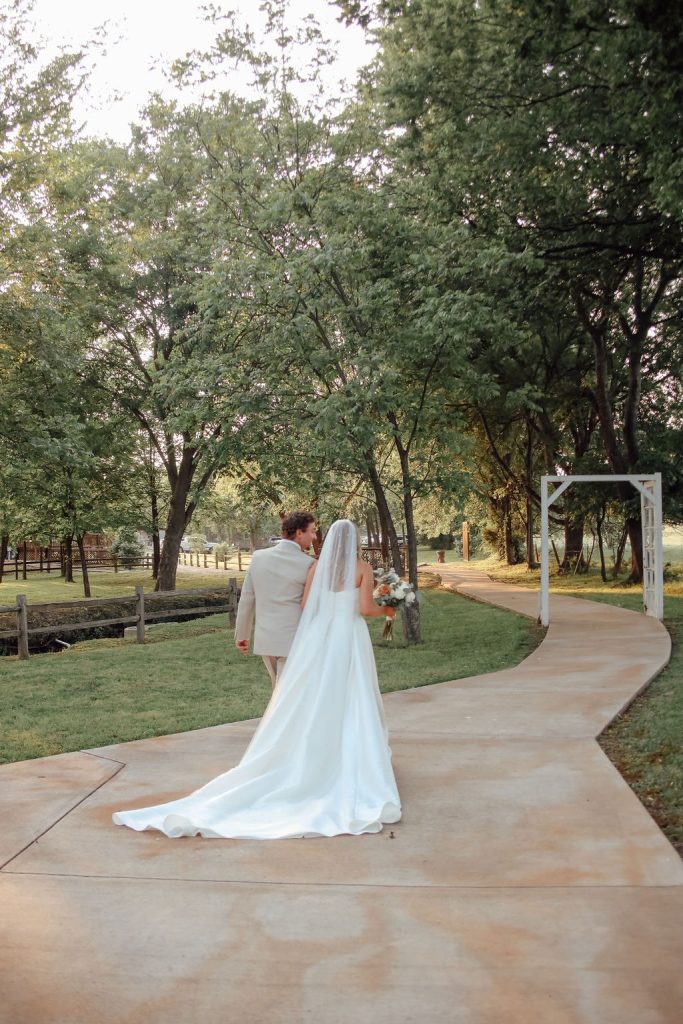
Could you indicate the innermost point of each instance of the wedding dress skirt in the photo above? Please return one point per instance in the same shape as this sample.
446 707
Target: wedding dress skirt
319 763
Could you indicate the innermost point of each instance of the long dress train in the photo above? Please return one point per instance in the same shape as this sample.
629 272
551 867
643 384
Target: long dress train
319 763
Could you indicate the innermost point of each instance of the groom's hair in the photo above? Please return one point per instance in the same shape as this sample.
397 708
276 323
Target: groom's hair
297 521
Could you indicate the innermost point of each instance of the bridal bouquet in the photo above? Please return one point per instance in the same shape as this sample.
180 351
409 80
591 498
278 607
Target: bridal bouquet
391 591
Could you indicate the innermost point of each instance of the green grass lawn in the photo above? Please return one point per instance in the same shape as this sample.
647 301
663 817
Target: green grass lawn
644 743
189 675
41 587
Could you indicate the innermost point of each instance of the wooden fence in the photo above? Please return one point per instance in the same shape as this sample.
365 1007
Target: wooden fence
20 566
240 559
142 614
374 557
236 560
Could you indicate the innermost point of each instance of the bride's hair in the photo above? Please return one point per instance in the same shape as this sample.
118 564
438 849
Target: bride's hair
340 560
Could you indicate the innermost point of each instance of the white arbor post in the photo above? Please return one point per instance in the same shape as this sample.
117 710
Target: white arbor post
650 487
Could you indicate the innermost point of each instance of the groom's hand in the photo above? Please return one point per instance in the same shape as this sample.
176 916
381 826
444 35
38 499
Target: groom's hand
242 645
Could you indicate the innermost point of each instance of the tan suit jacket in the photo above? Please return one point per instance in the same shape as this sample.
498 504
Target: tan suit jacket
272 591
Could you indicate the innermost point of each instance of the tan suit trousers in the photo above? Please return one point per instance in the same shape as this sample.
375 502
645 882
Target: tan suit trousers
275 666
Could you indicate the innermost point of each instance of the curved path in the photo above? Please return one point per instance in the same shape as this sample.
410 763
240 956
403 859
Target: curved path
525 884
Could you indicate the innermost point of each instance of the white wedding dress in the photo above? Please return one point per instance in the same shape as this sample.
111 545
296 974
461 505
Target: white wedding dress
319 763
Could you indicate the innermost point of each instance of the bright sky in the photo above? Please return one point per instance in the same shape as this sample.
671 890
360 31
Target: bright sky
142 31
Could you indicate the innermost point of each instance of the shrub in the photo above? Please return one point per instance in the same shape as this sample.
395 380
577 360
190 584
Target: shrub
127 548
197 542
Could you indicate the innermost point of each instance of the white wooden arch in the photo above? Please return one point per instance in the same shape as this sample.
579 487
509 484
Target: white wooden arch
650 487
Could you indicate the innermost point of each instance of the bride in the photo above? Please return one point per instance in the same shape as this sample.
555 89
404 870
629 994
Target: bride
319 763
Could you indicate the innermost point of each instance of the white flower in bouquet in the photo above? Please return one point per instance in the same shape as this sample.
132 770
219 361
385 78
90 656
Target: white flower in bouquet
391 591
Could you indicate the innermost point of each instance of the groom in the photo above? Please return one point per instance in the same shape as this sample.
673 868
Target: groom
272 590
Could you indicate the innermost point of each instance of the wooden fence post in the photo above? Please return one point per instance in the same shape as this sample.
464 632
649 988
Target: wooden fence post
239 559
205 565
22 627
24 570
140 612
216 559
225 561
116 563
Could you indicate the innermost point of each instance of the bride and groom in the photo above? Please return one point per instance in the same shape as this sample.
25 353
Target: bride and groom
319 763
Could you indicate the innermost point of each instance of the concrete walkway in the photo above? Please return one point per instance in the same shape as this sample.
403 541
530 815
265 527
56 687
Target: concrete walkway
525 884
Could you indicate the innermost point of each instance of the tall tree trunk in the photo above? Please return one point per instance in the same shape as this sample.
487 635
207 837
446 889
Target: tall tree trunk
508 538
175 528
4 544
530 557
84 564
529 469
599 520
618 461
156 544
180 513
619 553
69 558
573 545
389 536
410 613
634 528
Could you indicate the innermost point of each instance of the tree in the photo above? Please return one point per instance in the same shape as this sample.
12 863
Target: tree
546 130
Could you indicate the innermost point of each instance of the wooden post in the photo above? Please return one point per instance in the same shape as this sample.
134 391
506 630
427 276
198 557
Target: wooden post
116 563
16 566
216 559
466 541
48 560
140 612
41 560
22 627
225 561
239 559
24 569
205 565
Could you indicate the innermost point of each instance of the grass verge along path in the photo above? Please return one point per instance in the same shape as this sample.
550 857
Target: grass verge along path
644 742
189 675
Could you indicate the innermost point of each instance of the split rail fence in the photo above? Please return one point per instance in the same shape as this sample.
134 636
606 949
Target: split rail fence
140 618
23 566
236 560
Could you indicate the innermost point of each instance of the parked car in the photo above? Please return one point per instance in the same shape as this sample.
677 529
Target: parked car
274 539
